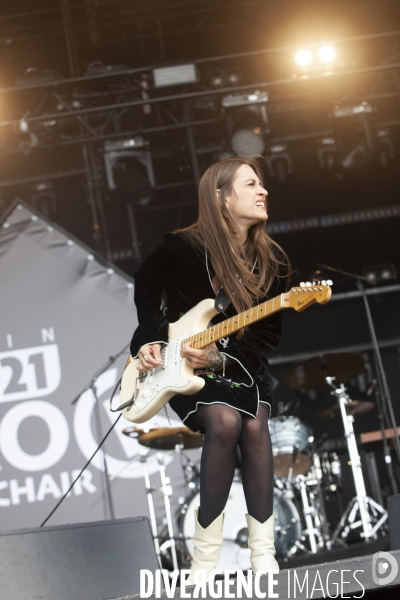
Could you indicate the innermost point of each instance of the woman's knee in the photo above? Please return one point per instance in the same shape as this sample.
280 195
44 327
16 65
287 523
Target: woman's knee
255 427
225 427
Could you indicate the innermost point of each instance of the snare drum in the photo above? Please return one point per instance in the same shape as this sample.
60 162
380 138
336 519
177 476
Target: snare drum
235 554
290 438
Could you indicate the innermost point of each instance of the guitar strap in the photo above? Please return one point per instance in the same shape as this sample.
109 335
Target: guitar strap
222 301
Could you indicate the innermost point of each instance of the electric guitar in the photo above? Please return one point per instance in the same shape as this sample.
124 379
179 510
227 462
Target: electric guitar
143 394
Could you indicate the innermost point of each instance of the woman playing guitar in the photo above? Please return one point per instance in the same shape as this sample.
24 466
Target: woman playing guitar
228 254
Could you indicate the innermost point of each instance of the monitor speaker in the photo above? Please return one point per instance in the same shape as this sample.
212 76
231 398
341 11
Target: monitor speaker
84 561
394 521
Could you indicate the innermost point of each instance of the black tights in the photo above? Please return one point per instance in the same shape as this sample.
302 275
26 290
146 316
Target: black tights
226 428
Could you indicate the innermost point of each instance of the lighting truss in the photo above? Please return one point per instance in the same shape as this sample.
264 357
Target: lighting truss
82 110
357 216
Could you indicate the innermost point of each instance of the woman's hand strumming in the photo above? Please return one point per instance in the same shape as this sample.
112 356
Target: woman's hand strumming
150 357
208 357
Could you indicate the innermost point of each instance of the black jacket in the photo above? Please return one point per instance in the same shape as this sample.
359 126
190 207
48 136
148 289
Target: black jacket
178 271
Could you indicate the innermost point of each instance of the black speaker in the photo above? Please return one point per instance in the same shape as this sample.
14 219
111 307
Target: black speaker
85 561
394 521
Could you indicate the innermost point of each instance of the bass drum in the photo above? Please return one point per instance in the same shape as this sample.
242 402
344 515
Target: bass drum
235 553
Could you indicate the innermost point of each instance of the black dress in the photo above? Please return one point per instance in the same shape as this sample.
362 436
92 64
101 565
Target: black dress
182 274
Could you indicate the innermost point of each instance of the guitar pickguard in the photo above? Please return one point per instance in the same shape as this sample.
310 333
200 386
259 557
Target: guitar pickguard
175 376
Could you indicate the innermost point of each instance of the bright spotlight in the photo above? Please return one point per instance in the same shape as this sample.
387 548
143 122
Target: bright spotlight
327 54
303 58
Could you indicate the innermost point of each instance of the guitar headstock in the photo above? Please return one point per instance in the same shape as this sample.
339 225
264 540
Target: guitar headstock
302 296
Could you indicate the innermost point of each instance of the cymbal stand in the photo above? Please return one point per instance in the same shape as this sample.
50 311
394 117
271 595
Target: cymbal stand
371 514
166 490
190 472
321 520
286 488
150 490
384 402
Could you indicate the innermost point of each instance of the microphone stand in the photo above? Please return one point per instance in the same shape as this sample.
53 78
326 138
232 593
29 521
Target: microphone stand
92 386
384 402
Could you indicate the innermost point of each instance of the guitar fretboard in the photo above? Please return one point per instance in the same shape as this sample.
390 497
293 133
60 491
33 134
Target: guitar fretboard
230 326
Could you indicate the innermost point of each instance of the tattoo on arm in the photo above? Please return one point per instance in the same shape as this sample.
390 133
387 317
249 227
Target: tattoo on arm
215 359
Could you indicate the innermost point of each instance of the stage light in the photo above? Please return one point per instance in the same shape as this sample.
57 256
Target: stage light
303 57
30 140
222 78
42 186
386 152
244 99
357 158
121 145
129 170
247 122
246 142
43 198
327 155
376 144
23 126
234 78
130 175
280 162
380 273
348 111
217 80
174 75
327 54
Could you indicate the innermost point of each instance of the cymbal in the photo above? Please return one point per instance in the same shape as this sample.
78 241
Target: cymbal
354 407
134 432
310 374
283 463
165 438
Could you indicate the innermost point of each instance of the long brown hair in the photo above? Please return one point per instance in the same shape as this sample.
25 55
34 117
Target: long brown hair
216 230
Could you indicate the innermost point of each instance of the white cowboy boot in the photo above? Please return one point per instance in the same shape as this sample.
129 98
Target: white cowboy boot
261 544
207 545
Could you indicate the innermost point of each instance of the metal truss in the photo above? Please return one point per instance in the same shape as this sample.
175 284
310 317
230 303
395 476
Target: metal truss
48 111
51 113
107 20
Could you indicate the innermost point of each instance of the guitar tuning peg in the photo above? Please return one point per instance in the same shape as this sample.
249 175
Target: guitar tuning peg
302 284
308 283
329 282
323 282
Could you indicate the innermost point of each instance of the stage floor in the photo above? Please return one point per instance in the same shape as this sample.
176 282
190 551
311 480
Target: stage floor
343 576
347 551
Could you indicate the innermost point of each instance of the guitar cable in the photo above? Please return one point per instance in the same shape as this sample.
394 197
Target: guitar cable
121 406
85 467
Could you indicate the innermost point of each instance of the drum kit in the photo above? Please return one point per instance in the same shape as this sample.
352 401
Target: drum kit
304 478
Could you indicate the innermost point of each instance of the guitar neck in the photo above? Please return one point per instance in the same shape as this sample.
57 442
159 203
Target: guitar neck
230 326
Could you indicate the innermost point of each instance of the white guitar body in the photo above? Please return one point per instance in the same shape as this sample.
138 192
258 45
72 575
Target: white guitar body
150 391
143 394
